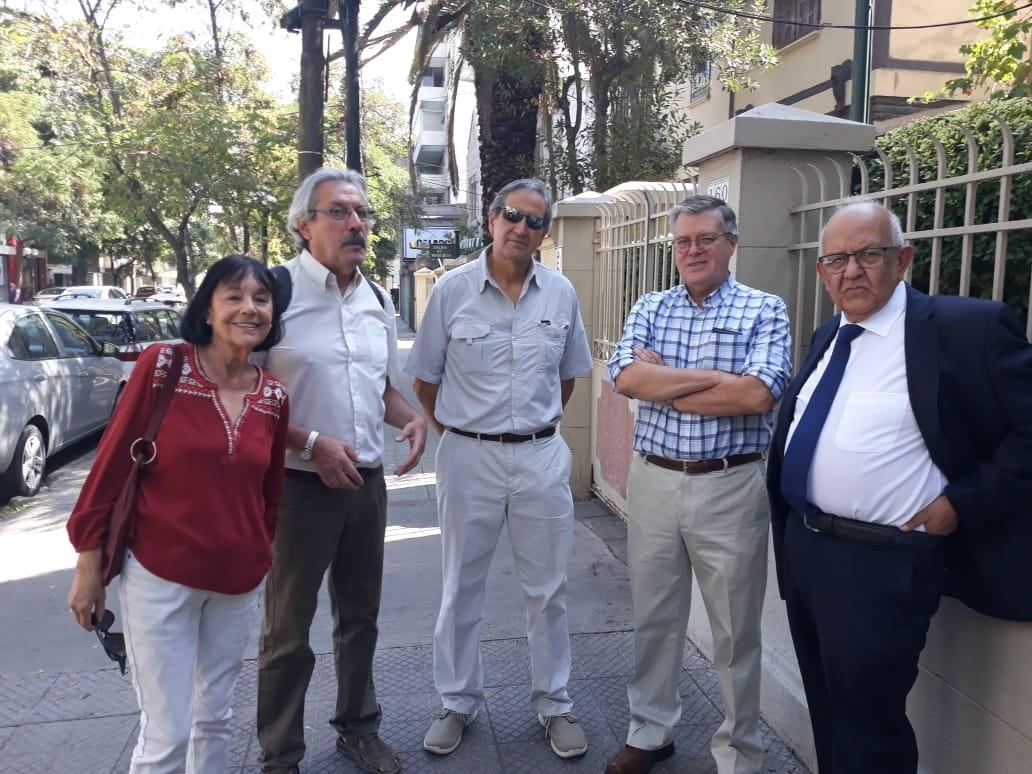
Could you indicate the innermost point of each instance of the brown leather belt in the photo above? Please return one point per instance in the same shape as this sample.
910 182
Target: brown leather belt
703 466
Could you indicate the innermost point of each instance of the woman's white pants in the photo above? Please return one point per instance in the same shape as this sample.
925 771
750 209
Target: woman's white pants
186 647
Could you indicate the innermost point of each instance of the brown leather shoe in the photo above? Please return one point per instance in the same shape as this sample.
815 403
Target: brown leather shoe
371 753
634 760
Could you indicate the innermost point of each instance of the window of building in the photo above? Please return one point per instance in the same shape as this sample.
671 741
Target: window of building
430 161
433 197
700 81
433 76
794 11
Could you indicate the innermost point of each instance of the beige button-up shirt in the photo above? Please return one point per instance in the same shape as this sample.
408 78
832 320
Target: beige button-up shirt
337 351
499 364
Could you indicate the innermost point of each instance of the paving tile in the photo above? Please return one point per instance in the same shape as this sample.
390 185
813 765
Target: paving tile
693 658
600 655
244 730
20 695
77 695
404 670
505 739
92 745
536 757
414 708
612 701
692 740
607 527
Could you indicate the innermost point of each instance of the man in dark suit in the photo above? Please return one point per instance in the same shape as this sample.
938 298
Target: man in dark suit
901 469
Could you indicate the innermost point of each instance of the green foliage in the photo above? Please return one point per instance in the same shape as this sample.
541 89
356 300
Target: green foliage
1000 62
170 155
980 120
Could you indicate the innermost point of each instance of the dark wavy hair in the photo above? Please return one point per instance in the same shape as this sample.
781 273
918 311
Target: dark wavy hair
233 267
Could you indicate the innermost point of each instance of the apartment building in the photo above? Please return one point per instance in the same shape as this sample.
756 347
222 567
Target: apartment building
815 71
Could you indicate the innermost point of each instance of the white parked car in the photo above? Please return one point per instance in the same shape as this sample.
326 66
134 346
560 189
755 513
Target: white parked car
57 385
91 291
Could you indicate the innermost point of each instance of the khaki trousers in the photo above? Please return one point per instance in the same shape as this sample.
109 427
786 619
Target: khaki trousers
321 528
716 525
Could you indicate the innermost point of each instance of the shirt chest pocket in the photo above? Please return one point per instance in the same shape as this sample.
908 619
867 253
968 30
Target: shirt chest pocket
376 337
871 421
726 349
470 349
551 344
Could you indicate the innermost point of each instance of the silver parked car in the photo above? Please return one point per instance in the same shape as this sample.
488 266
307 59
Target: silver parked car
57 385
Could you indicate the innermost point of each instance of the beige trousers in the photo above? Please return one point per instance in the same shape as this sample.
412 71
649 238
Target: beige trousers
716 525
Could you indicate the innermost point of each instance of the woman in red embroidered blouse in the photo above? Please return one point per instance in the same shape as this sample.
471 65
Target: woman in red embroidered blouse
205 517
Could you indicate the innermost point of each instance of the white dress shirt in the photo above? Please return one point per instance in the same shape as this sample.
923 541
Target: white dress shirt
871 462
499 364
338 348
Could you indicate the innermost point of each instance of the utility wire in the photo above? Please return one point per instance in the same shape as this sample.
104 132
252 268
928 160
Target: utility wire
816 25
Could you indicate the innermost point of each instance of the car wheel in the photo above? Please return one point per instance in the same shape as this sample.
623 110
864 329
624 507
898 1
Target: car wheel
25 475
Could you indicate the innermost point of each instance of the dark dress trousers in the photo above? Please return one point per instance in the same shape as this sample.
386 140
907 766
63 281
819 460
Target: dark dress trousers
859 613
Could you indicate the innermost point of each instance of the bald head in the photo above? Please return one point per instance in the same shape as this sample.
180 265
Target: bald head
874 214
864 284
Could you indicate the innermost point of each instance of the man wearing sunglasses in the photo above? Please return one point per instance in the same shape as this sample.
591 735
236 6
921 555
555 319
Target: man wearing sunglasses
706 359
494 362
901 469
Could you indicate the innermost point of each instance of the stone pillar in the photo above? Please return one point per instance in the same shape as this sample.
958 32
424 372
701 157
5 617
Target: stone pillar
573 229
423 283
754 162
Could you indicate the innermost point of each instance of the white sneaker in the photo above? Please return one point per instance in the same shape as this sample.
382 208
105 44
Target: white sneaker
564 735
445 732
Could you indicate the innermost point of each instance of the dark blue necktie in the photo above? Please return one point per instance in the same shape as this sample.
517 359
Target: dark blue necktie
795 470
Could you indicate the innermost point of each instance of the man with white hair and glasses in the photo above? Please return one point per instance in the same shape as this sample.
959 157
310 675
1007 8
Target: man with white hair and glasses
707 360
495 360
901 470
338 357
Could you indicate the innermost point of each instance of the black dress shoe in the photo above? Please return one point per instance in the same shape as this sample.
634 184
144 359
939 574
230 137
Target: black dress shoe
634 760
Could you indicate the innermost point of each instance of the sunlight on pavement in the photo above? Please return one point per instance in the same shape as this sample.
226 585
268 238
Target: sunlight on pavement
410 480
27 550
394 533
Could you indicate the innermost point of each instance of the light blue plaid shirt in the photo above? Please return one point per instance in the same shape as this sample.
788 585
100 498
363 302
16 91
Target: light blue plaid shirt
739 330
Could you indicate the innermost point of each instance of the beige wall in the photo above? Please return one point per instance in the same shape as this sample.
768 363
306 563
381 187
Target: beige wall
808 61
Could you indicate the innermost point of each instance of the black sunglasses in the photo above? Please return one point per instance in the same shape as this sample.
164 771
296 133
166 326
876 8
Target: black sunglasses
534 222
112 642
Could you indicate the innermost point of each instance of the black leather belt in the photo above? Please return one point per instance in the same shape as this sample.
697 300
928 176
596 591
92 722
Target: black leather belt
505 437
866 532
703 466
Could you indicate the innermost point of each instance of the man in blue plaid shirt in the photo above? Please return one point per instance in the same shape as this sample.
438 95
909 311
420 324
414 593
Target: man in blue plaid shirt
707 361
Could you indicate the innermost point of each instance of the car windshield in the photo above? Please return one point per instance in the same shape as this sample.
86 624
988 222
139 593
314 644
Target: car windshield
103 326
82 293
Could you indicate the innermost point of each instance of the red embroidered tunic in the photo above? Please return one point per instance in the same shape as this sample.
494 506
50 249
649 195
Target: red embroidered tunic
206 510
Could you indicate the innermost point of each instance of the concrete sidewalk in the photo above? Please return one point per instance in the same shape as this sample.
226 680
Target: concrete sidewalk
86 720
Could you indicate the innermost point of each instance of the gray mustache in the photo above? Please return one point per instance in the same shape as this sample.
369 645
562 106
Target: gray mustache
354 239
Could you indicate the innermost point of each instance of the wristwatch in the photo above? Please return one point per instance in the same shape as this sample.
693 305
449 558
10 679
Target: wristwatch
309 447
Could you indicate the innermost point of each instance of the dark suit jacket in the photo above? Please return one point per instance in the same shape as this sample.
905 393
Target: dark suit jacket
969 376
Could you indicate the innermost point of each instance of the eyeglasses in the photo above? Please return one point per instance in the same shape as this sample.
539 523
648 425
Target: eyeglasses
868 258
112 642
337 212
704 242
534 222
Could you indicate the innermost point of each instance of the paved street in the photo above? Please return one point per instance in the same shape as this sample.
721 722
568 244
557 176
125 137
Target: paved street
63 708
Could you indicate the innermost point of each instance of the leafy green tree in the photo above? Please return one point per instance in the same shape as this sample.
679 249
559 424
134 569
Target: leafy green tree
1001 62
